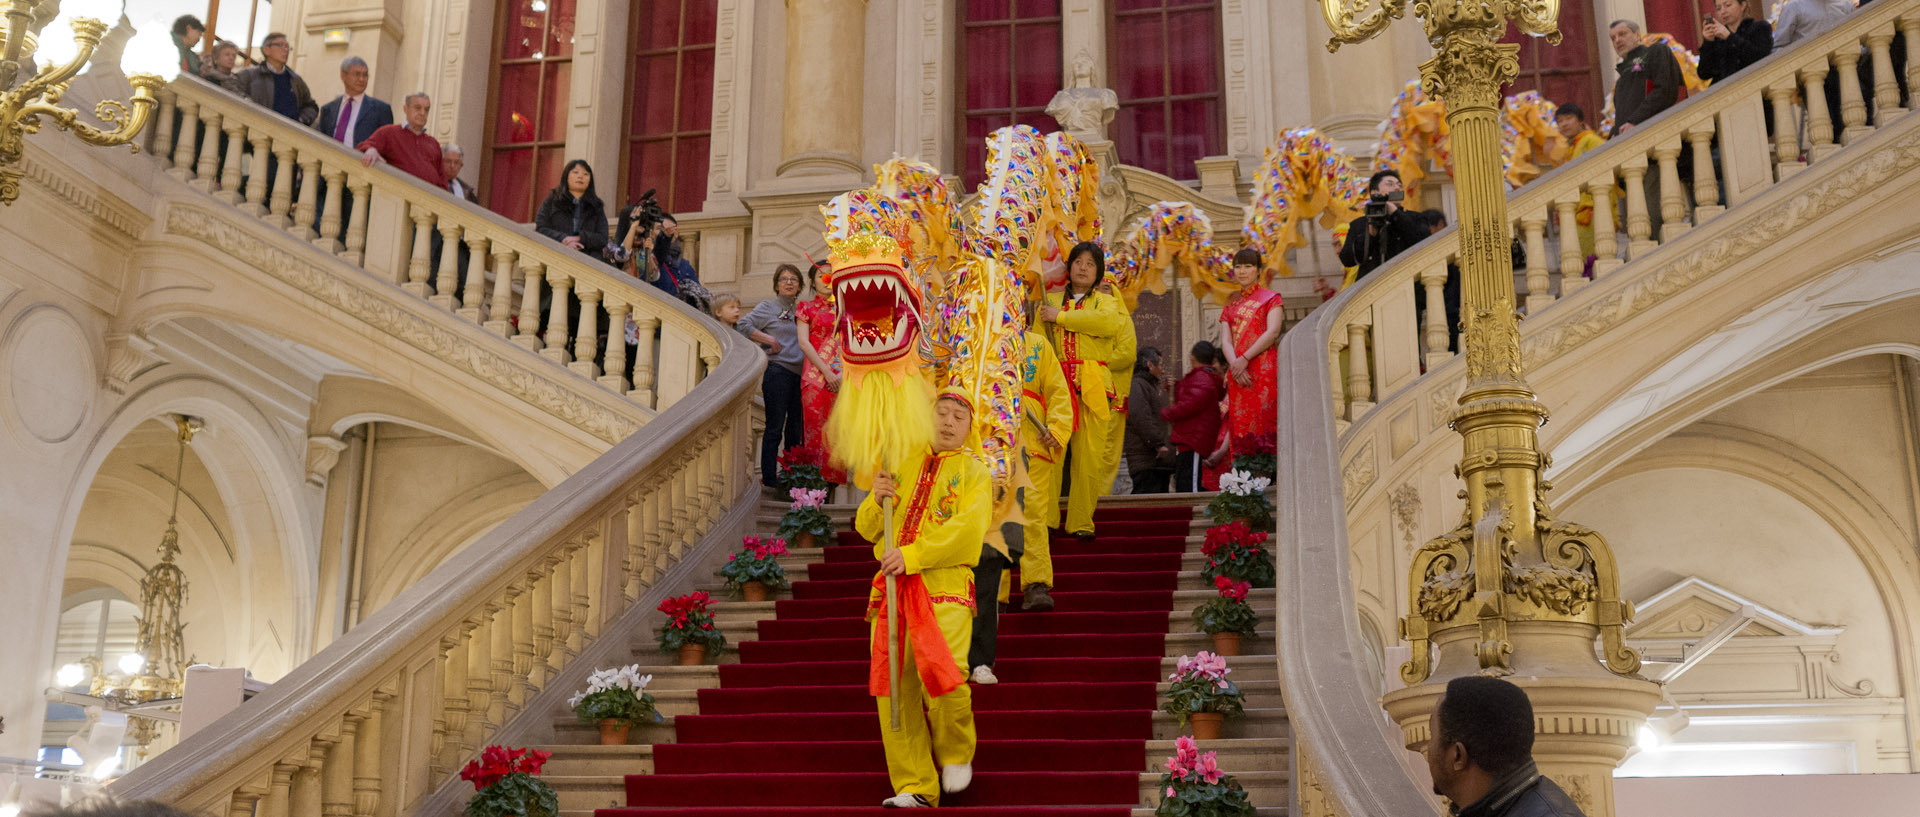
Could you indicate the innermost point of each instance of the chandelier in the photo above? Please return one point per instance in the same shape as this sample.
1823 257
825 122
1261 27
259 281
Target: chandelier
150 678
26 98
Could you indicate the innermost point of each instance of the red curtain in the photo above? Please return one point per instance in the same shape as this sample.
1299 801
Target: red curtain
531 79
1570 71
1010 50
1163 60
670 110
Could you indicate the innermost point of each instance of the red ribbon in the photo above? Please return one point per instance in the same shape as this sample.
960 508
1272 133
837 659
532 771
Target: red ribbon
932 659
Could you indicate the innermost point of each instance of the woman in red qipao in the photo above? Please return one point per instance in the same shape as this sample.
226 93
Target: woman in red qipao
1249 330
820 380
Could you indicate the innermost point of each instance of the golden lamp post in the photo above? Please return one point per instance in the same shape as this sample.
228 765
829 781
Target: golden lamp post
30 95
1511 591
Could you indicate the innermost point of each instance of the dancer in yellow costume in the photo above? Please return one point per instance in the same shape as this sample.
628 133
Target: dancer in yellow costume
1083 325
1126 350
1047 403
938 526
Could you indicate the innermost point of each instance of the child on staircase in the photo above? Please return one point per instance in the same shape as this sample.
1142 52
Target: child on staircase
937 533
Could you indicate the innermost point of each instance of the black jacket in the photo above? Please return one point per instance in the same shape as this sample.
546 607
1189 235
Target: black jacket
1523 793
1744 46
1403 229
560 217
375 114
1649 83
256 83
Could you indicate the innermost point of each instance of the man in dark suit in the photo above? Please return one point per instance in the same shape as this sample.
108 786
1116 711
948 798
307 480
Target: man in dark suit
353 116
452 160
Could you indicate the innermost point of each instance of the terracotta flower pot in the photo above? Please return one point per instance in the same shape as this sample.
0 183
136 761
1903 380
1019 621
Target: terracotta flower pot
1226 643
1206 725
754 591
613 731
803 540
693 655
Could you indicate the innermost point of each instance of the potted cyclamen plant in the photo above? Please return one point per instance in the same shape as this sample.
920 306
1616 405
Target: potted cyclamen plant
1195 787
1243 498
504 784
756 570
1201 694
689 630
807 518
1236 551
1227 617
614 699
1256 455
802 467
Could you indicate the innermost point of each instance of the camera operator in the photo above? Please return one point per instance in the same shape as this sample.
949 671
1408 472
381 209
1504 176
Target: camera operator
1385 230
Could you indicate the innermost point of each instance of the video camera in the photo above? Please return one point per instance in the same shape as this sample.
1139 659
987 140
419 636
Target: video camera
1377 203
641 215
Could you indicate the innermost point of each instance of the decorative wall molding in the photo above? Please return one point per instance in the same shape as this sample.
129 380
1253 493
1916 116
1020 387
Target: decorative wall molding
1360 471
382 311
64 183
127 356
322 452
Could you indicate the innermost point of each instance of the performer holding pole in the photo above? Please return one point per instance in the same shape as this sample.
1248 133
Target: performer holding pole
925 590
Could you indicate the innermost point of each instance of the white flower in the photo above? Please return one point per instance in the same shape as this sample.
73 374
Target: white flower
1243 482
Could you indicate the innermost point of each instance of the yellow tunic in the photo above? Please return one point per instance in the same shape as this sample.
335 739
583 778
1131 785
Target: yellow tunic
1084 335
1126 350
1048 406
947 531
1583 215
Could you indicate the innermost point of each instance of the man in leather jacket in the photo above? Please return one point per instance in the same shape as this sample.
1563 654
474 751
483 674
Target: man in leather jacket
1481 753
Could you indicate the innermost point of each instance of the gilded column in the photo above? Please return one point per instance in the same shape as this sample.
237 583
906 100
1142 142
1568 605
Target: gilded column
825 74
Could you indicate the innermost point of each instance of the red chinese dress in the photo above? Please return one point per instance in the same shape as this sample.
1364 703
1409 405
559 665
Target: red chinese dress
816 400
1254 408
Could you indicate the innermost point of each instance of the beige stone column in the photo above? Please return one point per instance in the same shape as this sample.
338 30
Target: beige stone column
826 73
373 30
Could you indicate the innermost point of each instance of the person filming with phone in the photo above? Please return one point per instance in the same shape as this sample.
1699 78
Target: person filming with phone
1384 230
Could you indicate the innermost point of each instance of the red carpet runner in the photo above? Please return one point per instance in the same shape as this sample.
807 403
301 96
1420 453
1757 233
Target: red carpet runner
791 732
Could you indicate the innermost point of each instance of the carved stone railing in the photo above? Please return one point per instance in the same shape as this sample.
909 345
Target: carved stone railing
271 168
383 718
1387 375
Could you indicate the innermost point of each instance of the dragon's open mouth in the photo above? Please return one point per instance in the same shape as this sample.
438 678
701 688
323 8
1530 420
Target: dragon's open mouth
880 315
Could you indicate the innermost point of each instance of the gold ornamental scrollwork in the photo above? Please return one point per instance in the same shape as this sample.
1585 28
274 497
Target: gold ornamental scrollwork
1344 18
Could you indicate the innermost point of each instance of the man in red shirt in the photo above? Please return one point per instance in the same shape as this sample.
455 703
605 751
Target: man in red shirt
408 147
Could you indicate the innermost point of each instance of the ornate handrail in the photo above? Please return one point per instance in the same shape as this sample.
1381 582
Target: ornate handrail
221 146
1369 356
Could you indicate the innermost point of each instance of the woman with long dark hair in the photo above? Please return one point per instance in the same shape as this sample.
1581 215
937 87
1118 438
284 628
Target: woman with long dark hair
1082 322
1249 330
820 381
572 213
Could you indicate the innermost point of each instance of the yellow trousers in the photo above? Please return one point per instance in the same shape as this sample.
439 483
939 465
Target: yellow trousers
1116 437
1043 511
934 732
1088 459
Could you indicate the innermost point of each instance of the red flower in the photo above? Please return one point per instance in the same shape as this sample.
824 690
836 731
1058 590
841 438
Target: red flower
496 762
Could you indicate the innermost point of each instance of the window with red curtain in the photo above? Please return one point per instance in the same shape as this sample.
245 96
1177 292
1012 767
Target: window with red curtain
670 102
1679 18
1163 59
1010 56
1570 71
532 70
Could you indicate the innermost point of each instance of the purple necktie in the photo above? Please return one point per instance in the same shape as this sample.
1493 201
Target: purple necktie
340 128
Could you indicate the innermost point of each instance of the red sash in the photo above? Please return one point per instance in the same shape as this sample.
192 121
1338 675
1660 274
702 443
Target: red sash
934 661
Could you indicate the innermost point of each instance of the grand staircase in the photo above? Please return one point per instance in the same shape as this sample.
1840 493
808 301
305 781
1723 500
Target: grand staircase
785 725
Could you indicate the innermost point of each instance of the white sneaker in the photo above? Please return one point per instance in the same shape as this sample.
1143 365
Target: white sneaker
956 778
983 674
905 800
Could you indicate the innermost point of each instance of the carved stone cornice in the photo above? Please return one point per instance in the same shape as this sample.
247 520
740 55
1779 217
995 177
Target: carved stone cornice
535 383
63 182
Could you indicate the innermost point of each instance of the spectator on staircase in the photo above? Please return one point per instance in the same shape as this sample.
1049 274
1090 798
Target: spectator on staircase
1731 41
274 85
219 66
353 116
1649 82
187 31
1802 20
452 161
572 213
1149 441
937 532
1571 121
780 386
1249 330
1480 755
410 148
1195 414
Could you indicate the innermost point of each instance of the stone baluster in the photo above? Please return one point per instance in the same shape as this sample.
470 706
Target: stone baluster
330 220
279 799
1573 265
162 146
1673 198
522 638
645 326
682 517
647 564
1706 187
476 292
245 802
1910 32
562 599
501 309
336 780
1359 373
1819 124
1786 137
450 727
1337 366
256 204
204 174
366 756
230 186
305 798
615 377
1533 229
630 583
528 337
1853 103
303 210
502 629
1605 246
480 722
362 190
422 255
1886 84
185 140
1639 226
557 335
710 355
449 273
282 201
586 338
543 632
584 625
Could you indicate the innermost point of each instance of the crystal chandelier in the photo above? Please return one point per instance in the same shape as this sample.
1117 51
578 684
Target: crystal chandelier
26 98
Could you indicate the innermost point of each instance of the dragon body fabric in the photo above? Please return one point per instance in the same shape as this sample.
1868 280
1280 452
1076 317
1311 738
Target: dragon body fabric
933 298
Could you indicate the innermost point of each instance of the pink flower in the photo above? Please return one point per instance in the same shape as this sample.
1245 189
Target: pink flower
1169 791
1186 747
1209 768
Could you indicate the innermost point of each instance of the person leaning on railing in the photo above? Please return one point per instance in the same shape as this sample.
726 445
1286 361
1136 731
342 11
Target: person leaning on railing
1731 41
274 85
